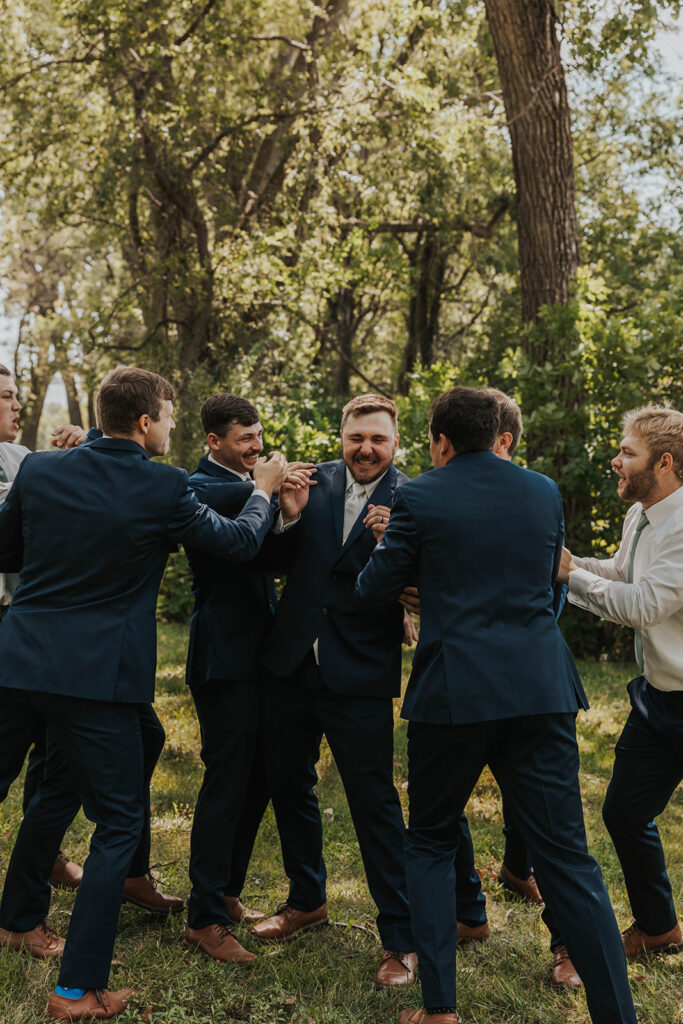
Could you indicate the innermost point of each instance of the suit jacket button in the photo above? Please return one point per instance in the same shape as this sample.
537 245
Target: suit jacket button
335 576
324 611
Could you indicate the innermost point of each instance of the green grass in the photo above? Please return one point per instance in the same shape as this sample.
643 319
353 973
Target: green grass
326 977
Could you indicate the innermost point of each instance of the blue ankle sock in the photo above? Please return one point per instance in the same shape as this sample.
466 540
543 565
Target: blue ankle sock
70 993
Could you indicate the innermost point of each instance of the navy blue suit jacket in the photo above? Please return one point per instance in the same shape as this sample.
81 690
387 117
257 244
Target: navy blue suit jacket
484 537
233 604
359 650
91 529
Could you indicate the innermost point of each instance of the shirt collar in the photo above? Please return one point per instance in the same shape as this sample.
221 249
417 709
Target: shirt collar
240 476
661 510
368 488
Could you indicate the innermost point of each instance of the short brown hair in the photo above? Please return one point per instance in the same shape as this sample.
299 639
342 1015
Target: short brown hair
362 405
468 417
510 417
126 394
219 412
4 371
662 431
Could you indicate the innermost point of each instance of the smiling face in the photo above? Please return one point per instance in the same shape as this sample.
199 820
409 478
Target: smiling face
9 408
633 466
239 449
369 444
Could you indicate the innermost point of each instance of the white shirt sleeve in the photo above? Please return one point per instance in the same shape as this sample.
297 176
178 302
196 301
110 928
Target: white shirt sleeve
656 595
282 527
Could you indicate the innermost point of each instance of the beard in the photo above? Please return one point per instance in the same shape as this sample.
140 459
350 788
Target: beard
639 486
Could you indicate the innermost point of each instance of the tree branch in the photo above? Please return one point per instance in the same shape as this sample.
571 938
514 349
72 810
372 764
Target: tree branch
194 25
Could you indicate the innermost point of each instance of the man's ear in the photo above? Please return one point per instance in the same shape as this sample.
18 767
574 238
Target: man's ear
502 443
212 441
144 423
666 462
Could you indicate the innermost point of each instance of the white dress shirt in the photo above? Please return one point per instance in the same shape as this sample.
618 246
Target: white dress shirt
11 456
653 603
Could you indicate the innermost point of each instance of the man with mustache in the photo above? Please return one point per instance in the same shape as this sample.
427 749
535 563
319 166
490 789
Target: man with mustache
642 587
334 671
232 615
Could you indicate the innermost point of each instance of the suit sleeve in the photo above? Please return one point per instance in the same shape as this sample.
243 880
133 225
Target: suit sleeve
393 563
228 499
11 534
198 526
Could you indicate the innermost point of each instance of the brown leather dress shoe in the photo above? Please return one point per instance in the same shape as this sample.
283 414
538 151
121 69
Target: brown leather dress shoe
564 974
527 888
40 942
637 942
396 969
422 1017
143 892
240 914
479 933
96 1003
218 942
66 874
287 922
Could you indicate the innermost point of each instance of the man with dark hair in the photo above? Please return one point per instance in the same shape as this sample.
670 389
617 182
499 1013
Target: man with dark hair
78 651
492 682
334 671
642 587
232 615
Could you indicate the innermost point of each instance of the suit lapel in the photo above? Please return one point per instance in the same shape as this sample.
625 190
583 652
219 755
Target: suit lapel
338 489
382 495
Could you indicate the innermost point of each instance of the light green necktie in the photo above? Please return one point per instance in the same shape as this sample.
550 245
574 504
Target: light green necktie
638 640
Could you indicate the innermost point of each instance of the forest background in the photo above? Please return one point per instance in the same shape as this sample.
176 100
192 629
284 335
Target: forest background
298 202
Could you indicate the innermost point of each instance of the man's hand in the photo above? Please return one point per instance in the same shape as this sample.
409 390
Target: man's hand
269 475
295 490
299 475
68 436
377 519
410 599
567 566
410 634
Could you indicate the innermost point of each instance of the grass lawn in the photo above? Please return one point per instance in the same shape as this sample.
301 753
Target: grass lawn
326 977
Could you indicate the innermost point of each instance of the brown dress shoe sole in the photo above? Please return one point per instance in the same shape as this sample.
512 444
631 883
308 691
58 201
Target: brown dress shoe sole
669 950
292 935
153 910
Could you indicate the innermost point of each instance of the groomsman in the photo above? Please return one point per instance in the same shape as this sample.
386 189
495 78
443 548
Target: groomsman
642 587
78 651
232 615
334 671
140 888
492 682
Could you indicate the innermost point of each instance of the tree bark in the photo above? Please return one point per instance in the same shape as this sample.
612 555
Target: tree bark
72 398
535 94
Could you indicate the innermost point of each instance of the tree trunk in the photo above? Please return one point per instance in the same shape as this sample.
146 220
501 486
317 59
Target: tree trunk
535 95
428 266
72 398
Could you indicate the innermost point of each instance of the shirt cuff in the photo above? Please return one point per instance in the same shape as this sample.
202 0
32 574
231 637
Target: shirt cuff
579 587
281 527
261 494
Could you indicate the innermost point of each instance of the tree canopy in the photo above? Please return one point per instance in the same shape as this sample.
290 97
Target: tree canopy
301 201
